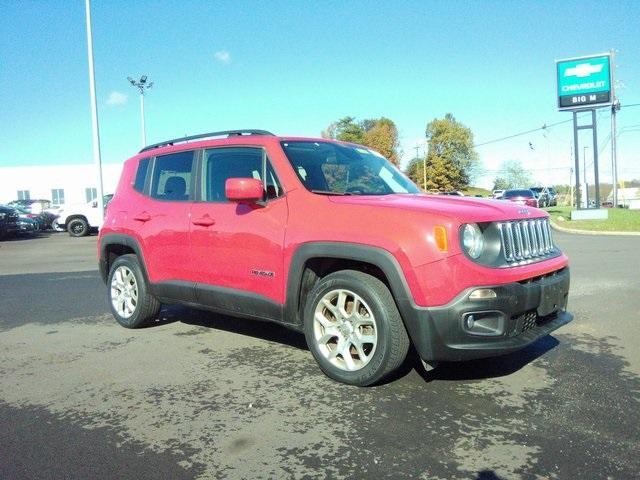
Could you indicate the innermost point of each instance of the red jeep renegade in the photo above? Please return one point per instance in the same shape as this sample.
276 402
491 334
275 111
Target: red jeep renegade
330 239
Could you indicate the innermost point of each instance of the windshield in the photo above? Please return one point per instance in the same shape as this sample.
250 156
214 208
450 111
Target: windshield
334 169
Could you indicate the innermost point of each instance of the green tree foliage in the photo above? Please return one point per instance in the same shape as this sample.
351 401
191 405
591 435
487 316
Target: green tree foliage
415 171
379 134
500 183
382 136
515 175
452 162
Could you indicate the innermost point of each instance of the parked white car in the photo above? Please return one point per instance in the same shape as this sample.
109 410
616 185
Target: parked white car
81 218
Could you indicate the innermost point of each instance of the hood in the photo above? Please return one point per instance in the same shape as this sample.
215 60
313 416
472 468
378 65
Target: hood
458 209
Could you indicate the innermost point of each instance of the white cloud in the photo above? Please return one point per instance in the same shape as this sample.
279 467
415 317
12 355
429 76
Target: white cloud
116 98
222 56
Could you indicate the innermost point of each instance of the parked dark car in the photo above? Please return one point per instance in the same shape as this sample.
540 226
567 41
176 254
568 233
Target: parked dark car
553 197
32 205
41 220
8 221
522 196
27 225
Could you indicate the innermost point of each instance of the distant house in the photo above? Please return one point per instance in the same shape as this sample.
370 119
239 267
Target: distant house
625 195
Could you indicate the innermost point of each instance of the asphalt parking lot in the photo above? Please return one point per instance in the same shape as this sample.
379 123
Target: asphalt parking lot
204 396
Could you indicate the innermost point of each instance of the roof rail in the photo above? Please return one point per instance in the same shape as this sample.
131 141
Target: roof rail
227 133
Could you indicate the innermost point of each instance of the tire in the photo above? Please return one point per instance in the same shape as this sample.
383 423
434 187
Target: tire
333 336
78 227
55 226
128 294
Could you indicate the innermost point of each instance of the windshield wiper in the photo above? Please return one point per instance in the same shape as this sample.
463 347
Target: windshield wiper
330 192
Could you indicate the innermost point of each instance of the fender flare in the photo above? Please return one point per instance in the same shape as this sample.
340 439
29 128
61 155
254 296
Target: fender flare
123 240
379 257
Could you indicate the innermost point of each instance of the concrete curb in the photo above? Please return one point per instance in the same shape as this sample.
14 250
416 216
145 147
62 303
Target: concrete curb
555 226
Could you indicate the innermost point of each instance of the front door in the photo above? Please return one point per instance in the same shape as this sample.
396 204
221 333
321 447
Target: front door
236 248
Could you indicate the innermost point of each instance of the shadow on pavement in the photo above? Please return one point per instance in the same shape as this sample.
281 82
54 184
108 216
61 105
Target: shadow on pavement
265 330
472 370
487 367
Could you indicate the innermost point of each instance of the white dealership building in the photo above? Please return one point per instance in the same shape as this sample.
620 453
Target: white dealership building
62 184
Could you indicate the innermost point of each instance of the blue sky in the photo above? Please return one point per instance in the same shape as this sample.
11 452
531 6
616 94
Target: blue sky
293 67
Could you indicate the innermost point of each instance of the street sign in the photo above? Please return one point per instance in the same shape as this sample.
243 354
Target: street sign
584 82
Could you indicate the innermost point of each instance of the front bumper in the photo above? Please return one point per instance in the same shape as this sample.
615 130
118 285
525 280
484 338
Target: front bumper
521 313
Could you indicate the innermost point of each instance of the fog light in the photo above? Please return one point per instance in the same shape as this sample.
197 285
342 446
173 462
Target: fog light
482 294
487 324
470 322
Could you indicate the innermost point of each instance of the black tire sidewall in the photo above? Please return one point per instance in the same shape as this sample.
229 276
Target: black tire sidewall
129 261
375 369
85 229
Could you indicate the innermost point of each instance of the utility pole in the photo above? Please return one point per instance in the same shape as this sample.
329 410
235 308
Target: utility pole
94 111
614 152
424 168
141 85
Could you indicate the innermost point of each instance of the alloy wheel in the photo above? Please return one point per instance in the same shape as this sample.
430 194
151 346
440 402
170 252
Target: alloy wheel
345 330
124 292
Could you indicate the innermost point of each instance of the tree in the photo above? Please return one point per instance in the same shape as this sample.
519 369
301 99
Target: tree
515 175
379 134
382 136
415 171
500 183
451 157
348 130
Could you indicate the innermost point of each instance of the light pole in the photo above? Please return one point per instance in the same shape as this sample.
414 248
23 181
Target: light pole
141 85
94 110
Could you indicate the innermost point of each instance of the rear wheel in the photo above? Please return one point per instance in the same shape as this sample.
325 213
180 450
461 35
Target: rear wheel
78 227
131 303
353 328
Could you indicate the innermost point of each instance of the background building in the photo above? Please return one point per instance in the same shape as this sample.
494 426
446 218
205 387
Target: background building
62 184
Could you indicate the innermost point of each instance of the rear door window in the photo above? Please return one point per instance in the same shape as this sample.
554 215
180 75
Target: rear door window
172 177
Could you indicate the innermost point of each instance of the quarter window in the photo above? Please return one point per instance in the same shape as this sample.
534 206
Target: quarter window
236 162
141 175
172 177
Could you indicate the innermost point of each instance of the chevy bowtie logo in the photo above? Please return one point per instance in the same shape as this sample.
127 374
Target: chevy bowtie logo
583 70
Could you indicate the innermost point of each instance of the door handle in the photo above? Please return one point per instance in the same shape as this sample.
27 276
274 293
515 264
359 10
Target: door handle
205 221
142 217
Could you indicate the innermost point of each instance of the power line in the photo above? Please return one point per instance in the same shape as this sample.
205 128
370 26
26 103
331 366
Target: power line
543 127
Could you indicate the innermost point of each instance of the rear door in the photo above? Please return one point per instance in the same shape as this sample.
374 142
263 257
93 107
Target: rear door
162 221
237 249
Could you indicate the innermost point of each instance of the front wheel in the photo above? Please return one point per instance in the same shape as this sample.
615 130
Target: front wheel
131 303
353 328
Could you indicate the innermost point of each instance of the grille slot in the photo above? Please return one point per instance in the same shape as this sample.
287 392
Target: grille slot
528 321
525 240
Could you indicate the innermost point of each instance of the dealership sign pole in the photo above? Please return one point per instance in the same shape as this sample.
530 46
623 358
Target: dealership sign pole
584 84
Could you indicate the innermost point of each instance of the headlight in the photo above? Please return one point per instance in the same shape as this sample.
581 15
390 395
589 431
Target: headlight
472 240
2 215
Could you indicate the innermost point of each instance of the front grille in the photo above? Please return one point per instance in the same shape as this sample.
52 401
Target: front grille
526 240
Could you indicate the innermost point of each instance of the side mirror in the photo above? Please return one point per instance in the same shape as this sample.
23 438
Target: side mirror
244 190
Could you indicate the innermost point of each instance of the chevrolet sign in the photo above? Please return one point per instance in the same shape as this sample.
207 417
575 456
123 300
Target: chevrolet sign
584 81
